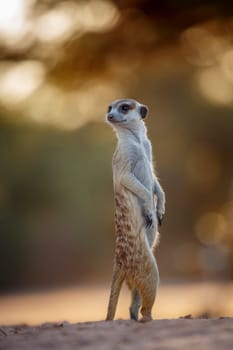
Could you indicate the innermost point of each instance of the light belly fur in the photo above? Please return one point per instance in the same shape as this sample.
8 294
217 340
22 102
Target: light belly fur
132 253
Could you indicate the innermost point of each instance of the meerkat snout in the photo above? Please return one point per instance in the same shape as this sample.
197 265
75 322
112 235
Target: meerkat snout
110 117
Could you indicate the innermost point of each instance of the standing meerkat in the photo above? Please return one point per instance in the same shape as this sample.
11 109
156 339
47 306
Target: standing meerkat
139 209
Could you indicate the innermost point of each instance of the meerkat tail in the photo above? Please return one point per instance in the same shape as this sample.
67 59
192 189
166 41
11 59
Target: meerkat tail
117 280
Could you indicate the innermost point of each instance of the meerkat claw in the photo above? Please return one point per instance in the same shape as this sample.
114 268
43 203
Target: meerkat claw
160 218
149 220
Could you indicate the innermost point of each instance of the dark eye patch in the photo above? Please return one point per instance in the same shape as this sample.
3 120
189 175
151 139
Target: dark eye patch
125 108
109 109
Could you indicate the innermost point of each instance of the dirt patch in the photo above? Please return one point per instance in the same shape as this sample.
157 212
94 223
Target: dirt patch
186 333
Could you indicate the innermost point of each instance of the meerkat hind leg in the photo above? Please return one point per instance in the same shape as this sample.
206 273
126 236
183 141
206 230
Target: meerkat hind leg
148 293
117 280
148 299
135 305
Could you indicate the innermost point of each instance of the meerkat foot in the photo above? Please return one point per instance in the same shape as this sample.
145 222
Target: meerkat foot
145 319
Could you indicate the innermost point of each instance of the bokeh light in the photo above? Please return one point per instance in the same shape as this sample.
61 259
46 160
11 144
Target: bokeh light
201 47
227 65
19 81
57 24
215 86
211 228
15 24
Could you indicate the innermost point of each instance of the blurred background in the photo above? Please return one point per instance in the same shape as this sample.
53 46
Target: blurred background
61 64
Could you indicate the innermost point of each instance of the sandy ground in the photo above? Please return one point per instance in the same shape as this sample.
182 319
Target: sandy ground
89 303
80 304
206 334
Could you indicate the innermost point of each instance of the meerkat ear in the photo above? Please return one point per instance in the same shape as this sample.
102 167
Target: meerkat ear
143 111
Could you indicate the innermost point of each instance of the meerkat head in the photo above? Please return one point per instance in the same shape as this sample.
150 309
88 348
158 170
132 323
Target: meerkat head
125 113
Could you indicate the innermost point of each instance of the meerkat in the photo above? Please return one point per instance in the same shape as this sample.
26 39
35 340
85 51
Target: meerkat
139 209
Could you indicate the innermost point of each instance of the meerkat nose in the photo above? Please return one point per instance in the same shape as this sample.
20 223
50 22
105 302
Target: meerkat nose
110 116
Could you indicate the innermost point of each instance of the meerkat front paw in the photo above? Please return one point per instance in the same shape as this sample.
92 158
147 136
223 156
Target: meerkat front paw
149 217
148 220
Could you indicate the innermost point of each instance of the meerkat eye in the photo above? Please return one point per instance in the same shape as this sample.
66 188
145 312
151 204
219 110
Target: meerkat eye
109 109
125 108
